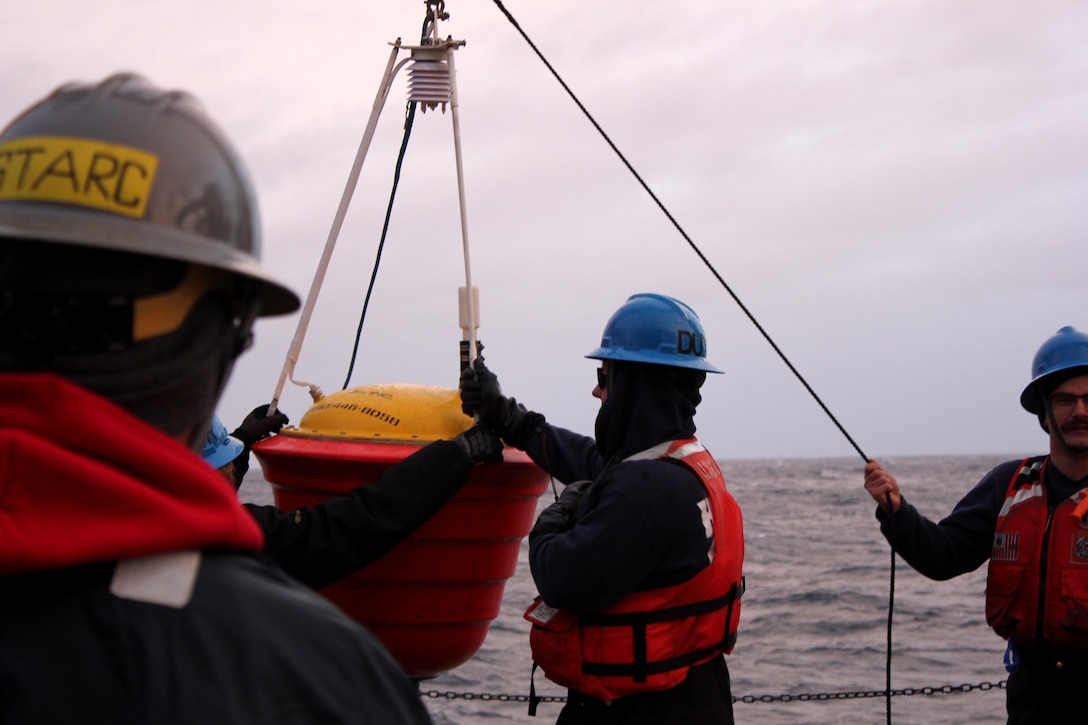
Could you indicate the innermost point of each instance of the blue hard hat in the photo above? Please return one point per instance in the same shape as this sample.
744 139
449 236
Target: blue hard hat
220 449
652 328
1064 352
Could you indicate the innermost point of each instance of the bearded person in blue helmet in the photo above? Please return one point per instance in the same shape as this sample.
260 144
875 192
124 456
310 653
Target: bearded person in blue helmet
638 562
131 589
1029 518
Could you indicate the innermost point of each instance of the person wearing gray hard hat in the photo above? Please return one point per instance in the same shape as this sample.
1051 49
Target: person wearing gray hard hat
129 283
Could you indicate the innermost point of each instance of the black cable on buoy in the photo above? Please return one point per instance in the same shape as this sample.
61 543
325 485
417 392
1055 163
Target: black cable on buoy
408 120
434 10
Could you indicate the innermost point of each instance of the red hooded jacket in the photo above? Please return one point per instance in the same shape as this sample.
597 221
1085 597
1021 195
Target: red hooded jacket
82 481
132 593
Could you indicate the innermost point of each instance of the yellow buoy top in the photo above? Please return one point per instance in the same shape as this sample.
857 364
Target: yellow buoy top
393 413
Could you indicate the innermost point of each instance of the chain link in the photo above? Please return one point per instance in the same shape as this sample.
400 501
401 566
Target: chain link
448 695
905 692
750 699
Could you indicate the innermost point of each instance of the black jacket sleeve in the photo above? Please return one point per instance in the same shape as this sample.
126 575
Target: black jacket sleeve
331 540
566 455
240 465
960 542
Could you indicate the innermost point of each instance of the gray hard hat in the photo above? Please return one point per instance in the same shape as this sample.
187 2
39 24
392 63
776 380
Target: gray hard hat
122 165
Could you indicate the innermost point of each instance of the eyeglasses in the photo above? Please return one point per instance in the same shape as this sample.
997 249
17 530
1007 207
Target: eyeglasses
602 378
1067 401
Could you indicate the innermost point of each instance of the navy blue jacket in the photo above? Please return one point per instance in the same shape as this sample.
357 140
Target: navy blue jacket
638 525
962 541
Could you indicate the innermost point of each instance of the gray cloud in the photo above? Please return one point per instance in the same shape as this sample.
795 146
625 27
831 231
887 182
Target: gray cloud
896 191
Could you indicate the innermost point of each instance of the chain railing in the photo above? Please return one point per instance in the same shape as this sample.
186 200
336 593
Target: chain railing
749 699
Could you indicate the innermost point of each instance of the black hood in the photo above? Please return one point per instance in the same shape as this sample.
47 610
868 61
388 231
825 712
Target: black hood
646 405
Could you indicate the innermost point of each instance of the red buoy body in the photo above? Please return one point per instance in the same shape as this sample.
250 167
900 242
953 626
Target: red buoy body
432 598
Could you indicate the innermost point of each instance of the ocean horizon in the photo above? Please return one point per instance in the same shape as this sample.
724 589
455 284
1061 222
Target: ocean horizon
812 646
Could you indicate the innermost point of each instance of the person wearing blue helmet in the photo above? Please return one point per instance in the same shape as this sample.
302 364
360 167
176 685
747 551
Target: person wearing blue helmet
638 562
229 453
324 543
221 448
1029 518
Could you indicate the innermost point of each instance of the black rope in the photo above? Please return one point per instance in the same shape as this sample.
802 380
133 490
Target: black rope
736 299
891 610
684 234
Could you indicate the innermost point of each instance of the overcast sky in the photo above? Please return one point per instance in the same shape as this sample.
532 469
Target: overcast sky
897 192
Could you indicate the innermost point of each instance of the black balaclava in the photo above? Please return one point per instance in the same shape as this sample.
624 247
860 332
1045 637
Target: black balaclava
646 405
67 310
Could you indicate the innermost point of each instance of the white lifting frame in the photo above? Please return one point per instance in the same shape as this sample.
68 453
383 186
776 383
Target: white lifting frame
424 92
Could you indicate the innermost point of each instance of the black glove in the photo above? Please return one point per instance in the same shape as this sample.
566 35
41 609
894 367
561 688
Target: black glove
258 424
561 515
481 445
482 397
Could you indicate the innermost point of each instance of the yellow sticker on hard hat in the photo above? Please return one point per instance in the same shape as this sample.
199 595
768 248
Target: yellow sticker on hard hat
67 170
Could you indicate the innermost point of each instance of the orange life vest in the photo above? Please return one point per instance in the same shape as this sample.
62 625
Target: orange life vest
649 640
1037 582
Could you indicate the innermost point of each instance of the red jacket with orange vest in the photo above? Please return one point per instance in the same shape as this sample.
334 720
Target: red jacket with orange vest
1037 584
649 639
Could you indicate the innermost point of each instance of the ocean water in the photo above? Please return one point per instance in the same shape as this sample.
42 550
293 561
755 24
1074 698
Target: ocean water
813 628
